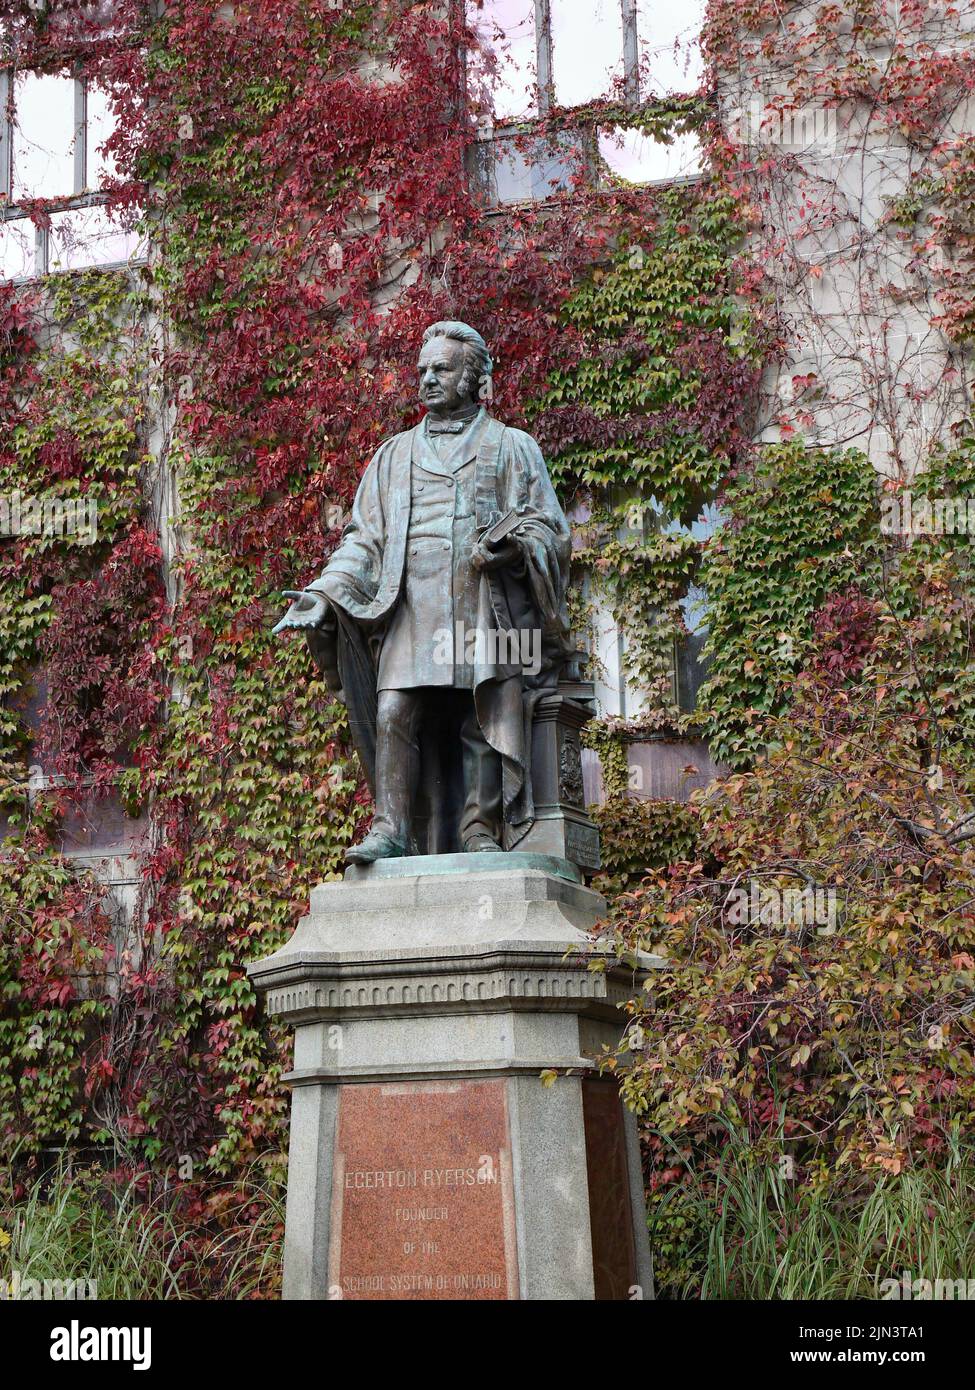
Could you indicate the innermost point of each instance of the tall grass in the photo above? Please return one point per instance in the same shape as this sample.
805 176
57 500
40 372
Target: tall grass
68 1228
761 1235
121 1243
766 1236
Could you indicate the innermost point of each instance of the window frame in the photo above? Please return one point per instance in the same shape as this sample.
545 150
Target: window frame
482 161
544 55
79 198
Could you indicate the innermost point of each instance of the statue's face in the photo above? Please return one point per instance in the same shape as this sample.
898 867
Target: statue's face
442 369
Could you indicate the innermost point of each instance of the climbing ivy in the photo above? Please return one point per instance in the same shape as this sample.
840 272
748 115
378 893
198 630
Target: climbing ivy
240 382
803 523
648 423
235 388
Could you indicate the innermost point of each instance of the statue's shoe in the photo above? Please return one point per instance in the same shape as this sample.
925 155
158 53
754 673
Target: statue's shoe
482 844
376 845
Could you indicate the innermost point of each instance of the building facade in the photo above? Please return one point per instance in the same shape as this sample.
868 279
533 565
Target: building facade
687 238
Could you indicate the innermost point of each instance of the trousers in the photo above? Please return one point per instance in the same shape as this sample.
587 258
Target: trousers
398 768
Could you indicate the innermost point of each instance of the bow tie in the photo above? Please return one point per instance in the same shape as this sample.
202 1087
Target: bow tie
447 426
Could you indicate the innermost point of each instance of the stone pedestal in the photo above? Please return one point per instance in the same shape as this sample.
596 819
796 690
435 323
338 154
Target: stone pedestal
428 1158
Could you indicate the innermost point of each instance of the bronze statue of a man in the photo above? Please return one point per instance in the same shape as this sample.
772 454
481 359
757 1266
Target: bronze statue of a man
440 619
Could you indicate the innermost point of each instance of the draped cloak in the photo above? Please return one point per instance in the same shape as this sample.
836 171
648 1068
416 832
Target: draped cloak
364 579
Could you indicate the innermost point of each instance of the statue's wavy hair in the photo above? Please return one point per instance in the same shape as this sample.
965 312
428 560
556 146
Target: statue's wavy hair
479 367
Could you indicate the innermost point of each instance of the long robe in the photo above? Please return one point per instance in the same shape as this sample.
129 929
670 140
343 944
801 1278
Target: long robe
363 581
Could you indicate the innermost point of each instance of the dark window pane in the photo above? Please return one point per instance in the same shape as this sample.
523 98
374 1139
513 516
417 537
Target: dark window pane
532 170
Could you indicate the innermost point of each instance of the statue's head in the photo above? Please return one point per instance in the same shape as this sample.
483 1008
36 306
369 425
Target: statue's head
455 367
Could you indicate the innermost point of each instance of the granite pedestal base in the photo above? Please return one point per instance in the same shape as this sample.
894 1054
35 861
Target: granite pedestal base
428 1158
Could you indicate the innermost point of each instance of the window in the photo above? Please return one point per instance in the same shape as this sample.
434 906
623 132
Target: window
529 168
587 50
505 72
618 692
668 43
52 132
541 54
639 158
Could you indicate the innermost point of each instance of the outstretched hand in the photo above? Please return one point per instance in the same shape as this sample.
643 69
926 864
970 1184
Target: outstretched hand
307 610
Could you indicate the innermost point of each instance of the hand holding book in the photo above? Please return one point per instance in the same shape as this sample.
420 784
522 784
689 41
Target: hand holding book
495 546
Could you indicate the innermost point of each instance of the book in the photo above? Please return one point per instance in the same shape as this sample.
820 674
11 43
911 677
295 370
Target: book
501 529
